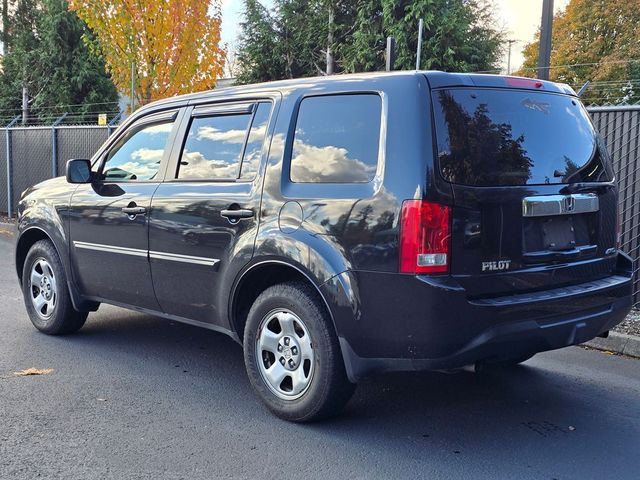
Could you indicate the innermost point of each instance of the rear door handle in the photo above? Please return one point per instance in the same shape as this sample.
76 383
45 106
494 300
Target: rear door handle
133 211
234 215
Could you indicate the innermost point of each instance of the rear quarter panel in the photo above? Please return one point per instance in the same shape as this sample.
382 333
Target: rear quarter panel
327 229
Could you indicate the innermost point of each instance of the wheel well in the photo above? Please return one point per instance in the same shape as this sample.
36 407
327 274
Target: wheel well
255 282
26 241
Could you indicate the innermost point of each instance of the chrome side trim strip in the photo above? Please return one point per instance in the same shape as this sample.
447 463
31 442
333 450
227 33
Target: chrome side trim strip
548 205
175 257
110 249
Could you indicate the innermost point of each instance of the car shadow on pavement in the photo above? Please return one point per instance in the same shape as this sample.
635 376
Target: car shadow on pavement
215 357
535 410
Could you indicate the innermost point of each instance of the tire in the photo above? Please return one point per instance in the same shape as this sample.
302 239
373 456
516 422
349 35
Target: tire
46 294
315 384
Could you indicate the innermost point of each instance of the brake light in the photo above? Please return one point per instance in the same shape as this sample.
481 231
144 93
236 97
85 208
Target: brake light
523 82
424 237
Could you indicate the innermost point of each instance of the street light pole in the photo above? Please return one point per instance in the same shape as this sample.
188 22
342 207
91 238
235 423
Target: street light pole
546 25
509 42
419 51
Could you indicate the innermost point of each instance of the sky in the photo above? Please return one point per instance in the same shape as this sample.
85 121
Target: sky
520 19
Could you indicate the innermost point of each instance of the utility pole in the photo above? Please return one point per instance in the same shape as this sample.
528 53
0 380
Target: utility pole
5 26
133 85
330 43
419 52
25 104
546 25
391 53
509 42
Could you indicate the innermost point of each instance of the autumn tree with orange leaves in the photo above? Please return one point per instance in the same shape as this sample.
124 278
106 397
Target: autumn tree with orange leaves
596 41
173 44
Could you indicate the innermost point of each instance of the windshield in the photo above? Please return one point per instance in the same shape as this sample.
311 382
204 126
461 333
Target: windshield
488 137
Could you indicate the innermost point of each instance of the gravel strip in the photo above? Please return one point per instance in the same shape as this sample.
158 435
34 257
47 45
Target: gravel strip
631 324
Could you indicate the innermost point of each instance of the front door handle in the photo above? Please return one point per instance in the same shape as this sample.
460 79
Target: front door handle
133 211
235 215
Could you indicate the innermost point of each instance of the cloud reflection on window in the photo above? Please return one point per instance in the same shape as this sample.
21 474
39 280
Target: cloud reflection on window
336 139
138 154
213 147
328 164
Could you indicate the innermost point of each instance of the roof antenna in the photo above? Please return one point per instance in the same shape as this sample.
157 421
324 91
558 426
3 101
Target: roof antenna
584 87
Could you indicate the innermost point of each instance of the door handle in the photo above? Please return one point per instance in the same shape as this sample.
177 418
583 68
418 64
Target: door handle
235 215
133 211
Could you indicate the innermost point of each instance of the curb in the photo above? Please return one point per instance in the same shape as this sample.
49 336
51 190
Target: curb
617 343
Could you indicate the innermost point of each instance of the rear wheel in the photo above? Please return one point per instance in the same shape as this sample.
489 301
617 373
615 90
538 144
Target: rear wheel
292 354
46 296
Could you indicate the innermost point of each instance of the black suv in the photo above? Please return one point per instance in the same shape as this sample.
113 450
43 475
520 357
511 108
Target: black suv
342 226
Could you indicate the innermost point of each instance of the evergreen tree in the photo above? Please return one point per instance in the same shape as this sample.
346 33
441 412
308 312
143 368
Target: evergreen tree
292 40
258 48
47 55
458 35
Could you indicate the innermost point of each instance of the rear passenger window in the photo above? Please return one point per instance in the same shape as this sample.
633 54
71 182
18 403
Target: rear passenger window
213 147
336 139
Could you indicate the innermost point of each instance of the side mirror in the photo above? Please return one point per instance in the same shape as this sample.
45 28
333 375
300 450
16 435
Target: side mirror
79 171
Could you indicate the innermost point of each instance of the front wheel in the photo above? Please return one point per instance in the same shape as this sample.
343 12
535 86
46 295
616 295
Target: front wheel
292 354
46 296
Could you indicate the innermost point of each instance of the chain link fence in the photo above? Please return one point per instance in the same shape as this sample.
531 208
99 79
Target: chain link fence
29 155
620 127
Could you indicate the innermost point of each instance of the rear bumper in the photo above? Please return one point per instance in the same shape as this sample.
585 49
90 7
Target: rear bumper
431 324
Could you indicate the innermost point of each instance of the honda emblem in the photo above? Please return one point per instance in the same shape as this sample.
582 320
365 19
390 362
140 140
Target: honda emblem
569 204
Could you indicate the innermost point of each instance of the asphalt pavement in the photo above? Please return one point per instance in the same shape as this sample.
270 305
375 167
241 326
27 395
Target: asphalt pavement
135 396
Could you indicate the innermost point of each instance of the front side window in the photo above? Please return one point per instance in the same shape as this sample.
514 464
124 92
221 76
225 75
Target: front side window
213 147
138 154
336 139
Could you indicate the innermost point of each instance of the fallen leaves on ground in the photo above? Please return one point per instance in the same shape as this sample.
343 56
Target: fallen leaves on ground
33 371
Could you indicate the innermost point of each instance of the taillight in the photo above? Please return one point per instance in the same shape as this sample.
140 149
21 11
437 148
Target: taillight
424 237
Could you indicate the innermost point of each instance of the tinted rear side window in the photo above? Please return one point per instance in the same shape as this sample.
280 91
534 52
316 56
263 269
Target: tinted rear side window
489 137
336 139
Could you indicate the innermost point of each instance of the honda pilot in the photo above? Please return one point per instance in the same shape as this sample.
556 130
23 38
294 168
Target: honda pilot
342 226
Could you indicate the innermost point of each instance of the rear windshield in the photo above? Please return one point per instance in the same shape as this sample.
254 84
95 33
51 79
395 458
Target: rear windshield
489 137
